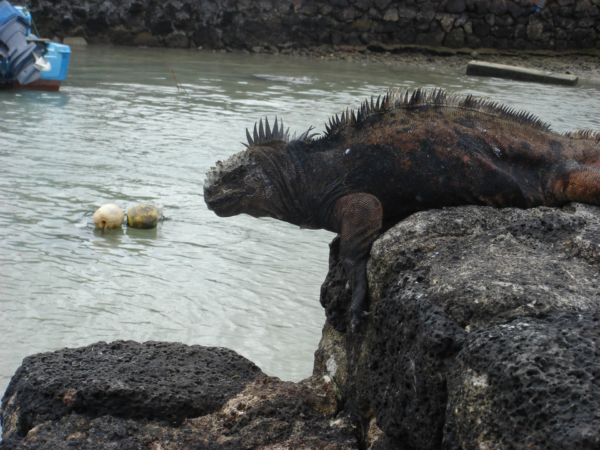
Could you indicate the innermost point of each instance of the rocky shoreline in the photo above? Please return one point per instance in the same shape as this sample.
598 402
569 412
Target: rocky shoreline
560 36
584 64
482 334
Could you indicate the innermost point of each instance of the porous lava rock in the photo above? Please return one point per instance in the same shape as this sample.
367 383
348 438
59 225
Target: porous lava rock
163 396
267 414
483 332
153 380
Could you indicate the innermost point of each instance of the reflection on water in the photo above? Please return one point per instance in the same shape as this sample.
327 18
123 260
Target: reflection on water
283 79
120 131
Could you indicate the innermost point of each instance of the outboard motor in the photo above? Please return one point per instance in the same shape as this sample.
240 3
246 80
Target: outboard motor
17 56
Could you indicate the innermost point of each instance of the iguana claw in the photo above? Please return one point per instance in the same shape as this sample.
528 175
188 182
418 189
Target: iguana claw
356 320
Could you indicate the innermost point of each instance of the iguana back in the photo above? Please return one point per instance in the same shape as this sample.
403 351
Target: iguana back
431 149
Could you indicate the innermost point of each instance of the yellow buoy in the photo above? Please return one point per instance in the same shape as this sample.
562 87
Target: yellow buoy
109 217
143 216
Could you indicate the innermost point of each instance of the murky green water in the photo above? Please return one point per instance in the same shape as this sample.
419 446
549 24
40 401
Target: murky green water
120 131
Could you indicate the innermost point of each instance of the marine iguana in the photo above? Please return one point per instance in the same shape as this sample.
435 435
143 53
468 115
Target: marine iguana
404 152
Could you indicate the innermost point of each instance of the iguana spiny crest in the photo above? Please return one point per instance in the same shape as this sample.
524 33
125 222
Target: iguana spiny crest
246 181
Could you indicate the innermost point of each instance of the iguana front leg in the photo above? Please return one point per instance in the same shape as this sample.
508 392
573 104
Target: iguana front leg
357 218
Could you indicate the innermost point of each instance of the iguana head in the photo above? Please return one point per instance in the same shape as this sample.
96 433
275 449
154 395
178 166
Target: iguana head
238 185
247 182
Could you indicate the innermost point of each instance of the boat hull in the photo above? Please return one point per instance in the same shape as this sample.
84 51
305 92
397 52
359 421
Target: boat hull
40 85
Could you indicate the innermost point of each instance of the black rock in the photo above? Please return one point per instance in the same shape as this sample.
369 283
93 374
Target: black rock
455 38
498 7
481 6
482 334
481 28
546 375
268 413
455 6
153 380
513 9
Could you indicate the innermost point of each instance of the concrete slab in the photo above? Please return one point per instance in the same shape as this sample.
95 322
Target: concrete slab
519 73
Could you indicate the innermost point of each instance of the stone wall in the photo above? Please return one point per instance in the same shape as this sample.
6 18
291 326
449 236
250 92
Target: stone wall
280 25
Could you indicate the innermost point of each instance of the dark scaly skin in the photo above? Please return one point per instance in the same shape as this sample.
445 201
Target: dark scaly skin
409 154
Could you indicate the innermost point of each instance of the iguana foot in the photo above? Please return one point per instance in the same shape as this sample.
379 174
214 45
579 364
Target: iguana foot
356 320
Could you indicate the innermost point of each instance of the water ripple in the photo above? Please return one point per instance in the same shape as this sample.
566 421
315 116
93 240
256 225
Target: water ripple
125 133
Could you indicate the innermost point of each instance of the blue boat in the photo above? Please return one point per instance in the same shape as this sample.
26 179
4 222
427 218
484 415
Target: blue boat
25 59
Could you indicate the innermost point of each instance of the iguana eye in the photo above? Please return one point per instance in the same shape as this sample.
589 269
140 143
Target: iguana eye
235 176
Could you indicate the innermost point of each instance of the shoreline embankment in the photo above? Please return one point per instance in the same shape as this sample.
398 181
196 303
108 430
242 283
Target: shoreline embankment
285 25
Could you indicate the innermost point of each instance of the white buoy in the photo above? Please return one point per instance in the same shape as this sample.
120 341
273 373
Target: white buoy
109 217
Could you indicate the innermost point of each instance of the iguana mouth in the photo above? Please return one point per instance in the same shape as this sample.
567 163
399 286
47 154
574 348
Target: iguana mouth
221 202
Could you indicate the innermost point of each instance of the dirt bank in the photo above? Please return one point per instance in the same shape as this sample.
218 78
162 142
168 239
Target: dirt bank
584 64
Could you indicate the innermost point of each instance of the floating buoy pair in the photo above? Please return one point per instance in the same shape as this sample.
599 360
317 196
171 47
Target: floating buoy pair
110 217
